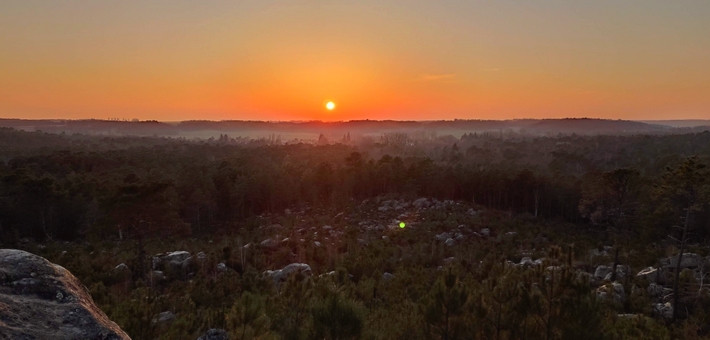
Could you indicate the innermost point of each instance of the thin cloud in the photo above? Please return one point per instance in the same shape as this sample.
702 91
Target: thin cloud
437 77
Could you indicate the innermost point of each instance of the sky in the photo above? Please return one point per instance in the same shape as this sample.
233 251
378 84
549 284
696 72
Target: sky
173 60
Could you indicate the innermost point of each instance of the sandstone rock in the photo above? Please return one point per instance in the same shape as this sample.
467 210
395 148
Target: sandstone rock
121 272
164 317
175 264
281 275
620 273
176 256
443 236
42 300
526 262
215 334
157 275
269 244
601 272
648 273
421 203
656 290
201 256
613 291
689 260
664 310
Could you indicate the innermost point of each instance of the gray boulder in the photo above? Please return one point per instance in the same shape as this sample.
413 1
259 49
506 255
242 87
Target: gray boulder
215 334
42 300
270 244
613 291
179 256
648 273
443 236
157 275
164 317
689 260
658 291
664 310
421 203
281 275
601 272
175 264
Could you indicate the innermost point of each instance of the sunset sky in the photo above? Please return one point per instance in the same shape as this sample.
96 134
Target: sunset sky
415 60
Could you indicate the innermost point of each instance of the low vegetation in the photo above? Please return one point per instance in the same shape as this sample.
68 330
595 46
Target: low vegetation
505 235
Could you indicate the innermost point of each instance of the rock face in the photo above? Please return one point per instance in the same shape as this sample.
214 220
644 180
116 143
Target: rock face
42 300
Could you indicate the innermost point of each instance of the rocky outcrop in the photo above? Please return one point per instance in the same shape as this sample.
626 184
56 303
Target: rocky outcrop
42 300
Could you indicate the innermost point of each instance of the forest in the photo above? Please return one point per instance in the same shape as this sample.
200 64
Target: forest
483 235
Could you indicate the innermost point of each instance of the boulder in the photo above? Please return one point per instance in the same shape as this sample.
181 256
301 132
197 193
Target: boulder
387 276
620 273
613 291
421 203
648 273
215 334
601 272
281 275
201 256
157 275
269 243
121 272
42 300
449 242
175 264
164 317
526 262
443 236
689 260
664 310
657 291
486 232
176 256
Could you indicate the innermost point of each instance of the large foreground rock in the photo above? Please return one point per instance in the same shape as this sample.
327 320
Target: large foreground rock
42 300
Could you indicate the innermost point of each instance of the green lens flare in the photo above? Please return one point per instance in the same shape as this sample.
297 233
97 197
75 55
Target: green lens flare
402 225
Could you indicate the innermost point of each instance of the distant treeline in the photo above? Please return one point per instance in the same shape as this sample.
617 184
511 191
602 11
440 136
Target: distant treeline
76 186
357 128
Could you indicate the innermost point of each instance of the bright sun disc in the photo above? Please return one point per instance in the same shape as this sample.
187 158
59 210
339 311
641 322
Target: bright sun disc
330 106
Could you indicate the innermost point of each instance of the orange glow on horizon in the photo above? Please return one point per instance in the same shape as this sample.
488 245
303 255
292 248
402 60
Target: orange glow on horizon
254 60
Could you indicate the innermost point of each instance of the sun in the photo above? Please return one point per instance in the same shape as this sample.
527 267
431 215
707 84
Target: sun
330 106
